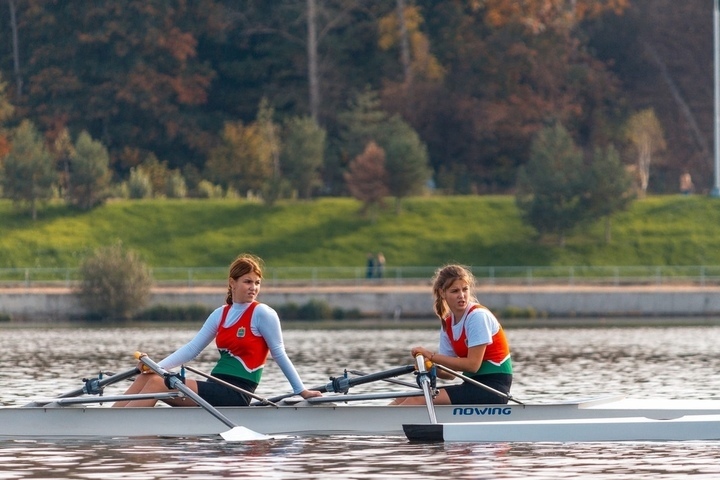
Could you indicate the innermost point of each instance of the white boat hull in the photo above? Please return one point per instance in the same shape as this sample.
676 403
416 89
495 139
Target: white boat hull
348 419
634 429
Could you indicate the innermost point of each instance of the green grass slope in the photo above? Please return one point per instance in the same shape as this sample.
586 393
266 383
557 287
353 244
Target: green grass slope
473 230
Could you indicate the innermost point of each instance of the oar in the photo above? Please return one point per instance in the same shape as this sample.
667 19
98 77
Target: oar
230 385
424 381
476 383
235 434
93 386
342 384
389 380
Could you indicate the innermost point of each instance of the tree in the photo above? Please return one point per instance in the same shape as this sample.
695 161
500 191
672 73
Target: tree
90 173
270 143
406 160
646 135
28 173
129 74
6 112
62 150
158 172
303 154
551 187
242 161
115 283
139 184
610 187
366 177
406 157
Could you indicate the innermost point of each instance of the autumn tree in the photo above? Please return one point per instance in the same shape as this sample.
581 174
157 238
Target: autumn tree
158 172
645 133
303 154
366 177
242 161
127 73
551 186
89 173
6 112
28 173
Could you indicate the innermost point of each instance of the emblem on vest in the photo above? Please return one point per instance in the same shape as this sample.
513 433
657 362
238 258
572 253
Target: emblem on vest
241 332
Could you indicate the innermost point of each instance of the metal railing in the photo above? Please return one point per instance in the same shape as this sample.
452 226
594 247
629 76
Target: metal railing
485 275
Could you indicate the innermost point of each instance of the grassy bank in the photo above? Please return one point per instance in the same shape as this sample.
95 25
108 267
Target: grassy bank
474 230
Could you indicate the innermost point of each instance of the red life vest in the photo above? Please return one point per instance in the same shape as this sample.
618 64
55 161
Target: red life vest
497 353
237 344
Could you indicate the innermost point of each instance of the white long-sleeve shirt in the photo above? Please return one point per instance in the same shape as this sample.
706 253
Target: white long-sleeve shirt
265 322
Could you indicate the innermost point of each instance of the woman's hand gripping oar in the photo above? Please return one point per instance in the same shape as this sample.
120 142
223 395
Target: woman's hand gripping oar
425 383
235 434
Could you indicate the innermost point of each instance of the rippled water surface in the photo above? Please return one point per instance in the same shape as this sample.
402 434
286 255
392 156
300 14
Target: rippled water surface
550 364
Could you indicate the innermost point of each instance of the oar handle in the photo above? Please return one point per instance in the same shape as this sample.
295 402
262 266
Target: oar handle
504 395
424 382
231 386
351 382
103 382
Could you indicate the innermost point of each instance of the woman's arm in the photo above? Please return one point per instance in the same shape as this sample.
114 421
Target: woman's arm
267 322
192 349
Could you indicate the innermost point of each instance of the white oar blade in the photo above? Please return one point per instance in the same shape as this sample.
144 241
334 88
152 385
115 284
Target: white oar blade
243 434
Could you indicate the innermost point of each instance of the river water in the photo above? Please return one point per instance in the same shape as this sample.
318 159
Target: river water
550 364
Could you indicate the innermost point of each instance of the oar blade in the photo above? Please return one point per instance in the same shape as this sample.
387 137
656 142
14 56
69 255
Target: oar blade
243 434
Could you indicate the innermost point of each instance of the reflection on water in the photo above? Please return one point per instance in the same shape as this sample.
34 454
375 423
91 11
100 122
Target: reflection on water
550 364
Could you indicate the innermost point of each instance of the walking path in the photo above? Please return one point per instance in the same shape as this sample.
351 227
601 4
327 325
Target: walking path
396 301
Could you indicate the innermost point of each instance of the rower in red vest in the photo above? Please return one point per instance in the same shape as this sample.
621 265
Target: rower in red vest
472 341
245 332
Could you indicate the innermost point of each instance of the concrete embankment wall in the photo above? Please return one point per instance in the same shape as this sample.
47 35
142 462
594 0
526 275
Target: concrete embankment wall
392 301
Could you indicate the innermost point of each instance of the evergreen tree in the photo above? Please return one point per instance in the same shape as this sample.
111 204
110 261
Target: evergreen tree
28 173
552 185
610 187
303 154
406 160
406 157
90 173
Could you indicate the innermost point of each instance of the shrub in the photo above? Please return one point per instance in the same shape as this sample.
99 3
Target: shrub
115 283
206 189
289 311
139 184
315 310
172 313
176 187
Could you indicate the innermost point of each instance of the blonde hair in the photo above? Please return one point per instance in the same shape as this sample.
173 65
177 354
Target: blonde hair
243 265
444 277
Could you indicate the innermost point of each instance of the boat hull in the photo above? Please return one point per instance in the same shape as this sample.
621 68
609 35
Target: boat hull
629 429
324 419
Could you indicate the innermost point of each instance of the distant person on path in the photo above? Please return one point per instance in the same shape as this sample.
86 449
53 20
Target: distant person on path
471 341
379 265
686 184
370 272
245 332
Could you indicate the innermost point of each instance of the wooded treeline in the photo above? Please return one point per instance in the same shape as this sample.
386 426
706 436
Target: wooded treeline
186 83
